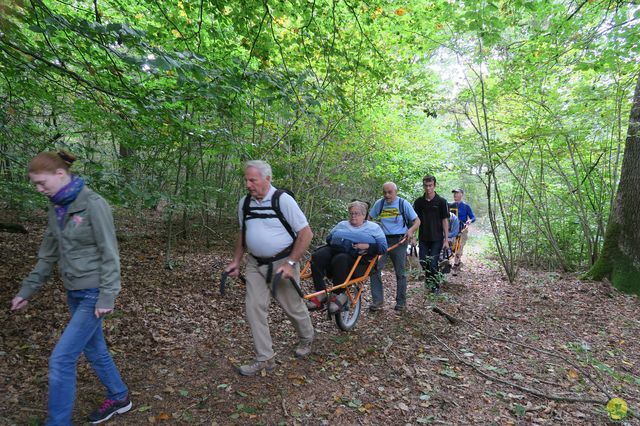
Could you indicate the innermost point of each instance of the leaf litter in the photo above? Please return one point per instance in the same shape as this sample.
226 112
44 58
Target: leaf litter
544 350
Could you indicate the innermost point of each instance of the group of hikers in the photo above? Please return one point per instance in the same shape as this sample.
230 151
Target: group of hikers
275 234
80 237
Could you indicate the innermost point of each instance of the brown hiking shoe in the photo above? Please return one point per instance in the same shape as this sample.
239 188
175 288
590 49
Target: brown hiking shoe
304 348
376 306
255 368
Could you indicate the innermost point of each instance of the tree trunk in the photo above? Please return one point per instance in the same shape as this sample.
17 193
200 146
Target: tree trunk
620 257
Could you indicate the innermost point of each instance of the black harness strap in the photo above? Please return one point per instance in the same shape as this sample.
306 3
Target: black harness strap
223 281
269 260
268 212
401 202
273 211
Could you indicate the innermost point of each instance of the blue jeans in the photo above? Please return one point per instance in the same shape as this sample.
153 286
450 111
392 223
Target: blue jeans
82 334
399 259
429 255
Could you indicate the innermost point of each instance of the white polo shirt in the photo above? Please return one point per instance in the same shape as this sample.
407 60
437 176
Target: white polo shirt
267 237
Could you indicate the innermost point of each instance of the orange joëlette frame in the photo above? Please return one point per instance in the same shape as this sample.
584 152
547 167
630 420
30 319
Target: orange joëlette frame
306 273
456 245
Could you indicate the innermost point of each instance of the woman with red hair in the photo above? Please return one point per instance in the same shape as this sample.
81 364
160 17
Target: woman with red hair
81 239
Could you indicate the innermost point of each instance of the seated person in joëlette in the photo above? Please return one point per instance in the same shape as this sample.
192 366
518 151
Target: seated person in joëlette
454 227
444 265
346 241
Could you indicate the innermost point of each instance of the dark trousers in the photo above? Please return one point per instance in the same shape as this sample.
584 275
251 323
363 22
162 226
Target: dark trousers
429 255
326 262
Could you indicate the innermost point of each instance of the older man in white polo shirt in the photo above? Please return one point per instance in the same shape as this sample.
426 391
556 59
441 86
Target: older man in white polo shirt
274 245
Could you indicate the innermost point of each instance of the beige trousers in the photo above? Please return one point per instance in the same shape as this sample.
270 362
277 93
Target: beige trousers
463 240
258 299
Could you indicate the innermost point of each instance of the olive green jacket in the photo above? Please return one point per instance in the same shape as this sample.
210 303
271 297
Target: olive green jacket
86 250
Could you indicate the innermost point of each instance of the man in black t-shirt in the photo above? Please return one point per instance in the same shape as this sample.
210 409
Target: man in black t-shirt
433 212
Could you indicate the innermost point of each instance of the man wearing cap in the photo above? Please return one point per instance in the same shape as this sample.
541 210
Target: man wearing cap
466 216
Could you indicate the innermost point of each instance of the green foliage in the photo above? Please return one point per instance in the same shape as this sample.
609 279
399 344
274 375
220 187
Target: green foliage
522 103
549 131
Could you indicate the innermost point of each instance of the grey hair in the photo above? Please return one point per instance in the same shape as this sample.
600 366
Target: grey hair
263 167
358 205
393 184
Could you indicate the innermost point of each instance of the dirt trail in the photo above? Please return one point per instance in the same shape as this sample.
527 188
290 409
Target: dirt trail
177 343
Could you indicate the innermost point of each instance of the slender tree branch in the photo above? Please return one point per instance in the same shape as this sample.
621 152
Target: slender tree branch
255 40
46 38
175 27
200 26
577 10
63 70
364 35
536 392
288 74
97 13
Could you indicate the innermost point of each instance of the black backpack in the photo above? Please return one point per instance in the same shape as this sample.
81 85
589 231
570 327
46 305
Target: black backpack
249 213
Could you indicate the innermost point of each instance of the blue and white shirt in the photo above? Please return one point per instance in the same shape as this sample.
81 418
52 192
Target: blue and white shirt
391 219
345 235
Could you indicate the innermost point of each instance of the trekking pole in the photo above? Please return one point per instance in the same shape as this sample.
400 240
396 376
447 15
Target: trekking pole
223 281
277 278
414 250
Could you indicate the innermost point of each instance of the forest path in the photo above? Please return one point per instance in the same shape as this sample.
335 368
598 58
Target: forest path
178 342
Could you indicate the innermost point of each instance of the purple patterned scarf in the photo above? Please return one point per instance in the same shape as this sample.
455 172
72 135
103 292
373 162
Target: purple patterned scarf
65 196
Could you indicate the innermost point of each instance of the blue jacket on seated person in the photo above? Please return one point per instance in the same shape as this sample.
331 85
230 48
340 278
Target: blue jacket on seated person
344 235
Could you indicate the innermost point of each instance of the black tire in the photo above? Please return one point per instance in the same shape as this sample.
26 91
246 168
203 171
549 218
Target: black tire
347 318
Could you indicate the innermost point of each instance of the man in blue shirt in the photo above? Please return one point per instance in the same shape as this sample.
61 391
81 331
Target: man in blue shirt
466 216
397 219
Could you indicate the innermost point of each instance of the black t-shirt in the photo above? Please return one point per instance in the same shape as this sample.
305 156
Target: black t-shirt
431 214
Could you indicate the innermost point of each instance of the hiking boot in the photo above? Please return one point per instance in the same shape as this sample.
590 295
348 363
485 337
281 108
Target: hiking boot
376 306
400 308
108 409
337 302
444 267
255 368
304 348
316 302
